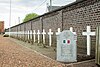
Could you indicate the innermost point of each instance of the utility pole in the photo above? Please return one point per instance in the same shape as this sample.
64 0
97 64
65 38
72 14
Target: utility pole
47 7
50 5
9 18
19 20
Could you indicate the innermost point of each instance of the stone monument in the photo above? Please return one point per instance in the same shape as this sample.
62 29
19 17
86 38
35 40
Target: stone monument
66 47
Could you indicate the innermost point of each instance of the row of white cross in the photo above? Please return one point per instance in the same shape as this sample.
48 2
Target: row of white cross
88 33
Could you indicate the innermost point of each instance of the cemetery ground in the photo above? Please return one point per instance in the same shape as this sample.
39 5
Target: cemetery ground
15 53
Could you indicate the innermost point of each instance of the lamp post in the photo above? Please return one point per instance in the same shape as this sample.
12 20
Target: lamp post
9 18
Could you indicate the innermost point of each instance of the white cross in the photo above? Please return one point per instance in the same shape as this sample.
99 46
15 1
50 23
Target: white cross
71 29
34 33
50 33
19 34
38 33
25 35
43 36
28 33
22 32
15 33
75 35
57 33
88 33
25 32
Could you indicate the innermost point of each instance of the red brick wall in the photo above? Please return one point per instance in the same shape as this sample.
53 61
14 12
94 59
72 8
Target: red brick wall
77 15
1 26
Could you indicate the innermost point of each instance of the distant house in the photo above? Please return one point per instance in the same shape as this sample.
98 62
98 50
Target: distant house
51 8
1 27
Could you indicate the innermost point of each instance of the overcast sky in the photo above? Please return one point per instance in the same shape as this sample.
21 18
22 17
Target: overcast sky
19 8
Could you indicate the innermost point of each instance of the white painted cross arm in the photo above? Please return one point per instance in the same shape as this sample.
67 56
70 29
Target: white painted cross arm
50 33
88 32
30 31
75 35
71 29
26 32
43 32
57 33
34 32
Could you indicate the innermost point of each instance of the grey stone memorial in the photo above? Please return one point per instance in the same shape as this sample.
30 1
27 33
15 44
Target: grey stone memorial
66 47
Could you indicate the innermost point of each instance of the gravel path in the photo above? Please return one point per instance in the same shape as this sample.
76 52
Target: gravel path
14 55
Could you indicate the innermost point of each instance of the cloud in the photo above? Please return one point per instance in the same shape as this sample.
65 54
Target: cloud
29 3
4 1
20 8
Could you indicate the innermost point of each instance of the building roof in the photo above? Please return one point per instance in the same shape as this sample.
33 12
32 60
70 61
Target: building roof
52 8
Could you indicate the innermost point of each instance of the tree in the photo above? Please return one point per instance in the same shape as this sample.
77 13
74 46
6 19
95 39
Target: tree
30 16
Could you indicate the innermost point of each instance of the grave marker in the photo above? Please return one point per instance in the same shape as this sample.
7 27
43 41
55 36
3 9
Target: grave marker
34 33
50 33
57 33
38 33
25 35
71 29
66 47
88 34
43 33
31 34
28 33
19 34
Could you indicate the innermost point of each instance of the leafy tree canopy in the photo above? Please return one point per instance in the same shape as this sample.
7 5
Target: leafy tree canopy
30 16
